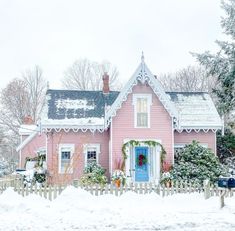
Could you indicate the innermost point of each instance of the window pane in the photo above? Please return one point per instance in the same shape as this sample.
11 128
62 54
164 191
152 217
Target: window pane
91 155
142 119
142 105
65 155
142 112
65 160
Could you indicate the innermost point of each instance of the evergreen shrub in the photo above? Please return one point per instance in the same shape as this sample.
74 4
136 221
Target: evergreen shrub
196 164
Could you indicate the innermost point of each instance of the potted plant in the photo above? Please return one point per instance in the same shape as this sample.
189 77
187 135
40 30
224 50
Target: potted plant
118 178
166 179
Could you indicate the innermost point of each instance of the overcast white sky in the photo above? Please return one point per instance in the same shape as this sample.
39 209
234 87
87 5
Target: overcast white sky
54 33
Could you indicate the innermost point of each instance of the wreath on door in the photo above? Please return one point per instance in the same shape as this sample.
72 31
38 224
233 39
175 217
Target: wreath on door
141 160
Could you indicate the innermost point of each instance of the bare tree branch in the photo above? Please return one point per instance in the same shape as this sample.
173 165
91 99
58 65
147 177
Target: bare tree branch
22 97
190 79
87 75
36 88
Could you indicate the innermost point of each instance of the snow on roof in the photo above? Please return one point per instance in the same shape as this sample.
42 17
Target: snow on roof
78 122
196 110
27 140
26 129
71 104
76 108
87 108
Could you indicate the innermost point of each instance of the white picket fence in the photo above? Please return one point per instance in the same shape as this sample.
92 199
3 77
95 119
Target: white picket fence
52 191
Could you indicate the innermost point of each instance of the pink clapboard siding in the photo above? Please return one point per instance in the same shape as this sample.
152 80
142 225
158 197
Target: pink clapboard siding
208 138
123 125
78 139
31 148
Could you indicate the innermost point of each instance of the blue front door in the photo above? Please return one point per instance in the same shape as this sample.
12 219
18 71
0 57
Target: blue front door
141 164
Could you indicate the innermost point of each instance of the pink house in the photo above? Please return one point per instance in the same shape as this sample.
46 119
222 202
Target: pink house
78 127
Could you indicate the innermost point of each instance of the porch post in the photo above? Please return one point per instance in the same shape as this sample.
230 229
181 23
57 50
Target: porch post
158 163
128 165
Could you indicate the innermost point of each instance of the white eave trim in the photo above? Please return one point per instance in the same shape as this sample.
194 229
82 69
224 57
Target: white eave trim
198 129
67 128
26 141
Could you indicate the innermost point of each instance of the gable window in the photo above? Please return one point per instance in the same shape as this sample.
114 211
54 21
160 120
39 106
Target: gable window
65 158
142 104
91 152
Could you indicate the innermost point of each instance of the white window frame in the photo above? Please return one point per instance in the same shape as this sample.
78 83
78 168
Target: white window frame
95 146
70 147
149 103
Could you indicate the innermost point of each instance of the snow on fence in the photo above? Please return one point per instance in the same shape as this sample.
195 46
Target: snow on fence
52 191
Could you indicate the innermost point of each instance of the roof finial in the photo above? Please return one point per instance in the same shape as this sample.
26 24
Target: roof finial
48 85
142 57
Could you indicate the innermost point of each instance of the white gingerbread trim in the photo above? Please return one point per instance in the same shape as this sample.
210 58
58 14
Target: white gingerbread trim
142 75
197 130
73 128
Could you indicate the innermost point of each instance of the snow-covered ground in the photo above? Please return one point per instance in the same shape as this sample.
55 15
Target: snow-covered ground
76 209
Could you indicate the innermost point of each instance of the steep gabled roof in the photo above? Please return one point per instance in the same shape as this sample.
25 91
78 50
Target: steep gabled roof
142 75
196 110
76 109
93 110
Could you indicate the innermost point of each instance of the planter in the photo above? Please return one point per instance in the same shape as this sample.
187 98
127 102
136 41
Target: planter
117 183
168 184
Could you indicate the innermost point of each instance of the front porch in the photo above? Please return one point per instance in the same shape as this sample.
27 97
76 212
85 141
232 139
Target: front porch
142 161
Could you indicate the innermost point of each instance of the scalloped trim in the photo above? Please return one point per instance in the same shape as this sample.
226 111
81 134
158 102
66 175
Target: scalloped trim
197 130
73 129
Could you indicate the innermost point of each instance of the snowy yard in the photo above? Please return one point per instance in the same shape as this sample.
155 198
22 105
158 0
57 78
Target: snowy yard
76 209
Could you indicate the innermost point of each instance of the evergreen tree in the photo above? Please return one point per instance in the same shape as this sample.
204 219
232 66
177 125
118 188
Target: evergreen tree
225 145
222 64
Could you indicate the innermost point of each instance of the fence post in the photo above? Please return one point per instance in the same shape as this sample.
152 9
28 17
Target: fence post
206 186
222 194
75 183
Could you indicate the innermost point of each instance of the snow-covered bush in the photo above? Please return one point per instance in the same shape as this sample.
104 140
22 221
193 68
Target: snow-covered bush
36 175
230 164
166 177
6 167
93 174
196 163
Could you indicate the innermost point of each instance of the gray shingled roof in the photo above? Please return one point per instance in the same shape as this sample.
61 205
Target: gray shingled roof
80 107
196 110
72 107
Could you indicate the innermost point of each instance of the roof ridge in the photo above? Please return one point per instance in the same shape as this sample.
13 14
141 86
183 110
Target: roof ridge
70 90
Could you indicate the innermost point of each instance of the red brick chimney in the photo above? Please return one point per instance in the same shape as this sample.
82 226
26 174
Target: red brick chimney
105 83
28 120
